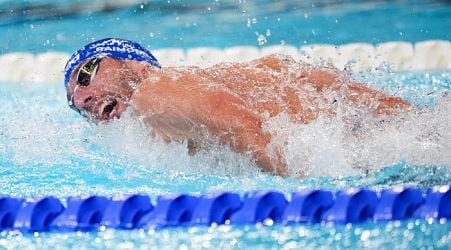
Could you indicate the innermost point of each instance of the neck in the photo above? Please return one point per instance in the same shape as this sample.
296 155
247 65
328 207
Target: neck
141 72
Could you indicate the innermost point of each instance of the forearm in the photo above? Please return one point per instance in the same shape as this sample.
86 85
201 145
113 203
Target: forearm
237 126
359 95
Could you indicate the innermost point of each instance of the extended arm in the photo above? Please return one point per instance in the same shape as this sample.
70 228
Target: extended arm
379 103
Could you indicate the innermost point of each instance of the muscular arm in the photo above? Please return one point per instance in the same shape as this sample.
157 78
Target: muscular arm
379 103
185 106
228 102
240 128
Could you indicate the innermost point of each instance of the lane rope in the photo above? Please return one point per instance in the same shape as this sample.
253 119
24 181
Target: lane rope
266 207
400 56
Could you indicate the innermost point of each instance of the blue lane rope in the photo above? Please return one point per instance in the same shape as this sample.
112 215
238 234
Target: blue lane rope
306 206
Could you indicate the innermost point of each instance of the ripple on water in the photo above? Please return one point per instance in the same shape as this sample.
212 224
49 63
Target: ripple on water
47 149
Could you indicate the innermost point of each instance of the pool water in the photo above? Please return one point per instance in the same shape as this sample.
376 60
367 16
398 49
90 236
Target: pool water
47 149
65 25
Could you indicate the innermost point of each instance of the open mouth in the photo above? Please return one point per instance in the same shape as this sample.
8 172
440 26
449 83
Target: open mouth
107 107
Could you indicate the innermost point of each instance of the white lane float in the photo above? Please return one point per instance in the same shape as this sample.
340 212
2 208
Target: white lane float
400 56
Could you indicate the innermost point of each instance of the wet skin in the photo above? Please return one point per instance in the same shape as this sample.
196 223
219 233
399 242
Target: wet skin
230 102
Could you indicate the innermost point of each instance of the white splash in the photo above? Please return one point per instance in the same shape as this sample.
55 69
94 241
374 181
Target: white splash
130 139
35 131
327 148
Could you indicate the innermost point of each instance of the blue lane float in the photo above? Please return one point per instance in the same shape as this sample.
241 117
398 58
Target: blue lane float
8 212
353 205
126 211
36 215
260 206
215 208
398 203
437 204
308 206
305 206
170 210
82 213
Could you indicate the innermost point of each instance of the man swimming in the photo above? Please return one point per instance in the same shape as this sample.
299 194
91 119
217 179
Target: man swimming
229 101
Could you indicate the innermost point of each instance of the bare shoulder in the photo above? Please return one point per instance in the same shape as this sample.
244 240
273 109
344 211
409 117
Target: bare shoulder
277 62
169 85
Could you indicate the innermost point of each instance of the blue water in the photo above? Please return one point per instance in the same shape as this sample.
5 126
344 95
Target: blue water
62 26
47 149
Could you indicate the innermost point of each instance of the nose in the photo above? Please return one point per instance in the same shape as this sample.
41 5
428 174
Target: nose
83 98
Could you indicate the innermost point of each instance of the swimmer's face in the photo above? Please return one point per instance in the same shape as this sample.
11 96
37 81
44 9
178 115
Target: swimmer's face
100 88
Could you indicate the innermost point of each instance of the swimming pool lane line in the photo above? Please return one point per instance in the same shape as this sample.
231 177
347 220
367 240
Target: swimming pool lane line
267 207
18 67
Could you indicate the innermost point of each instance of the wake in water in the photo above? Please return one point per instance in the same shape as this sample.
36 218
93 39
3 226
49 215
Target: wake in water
36 131
322 148
129 138
329 147
326 147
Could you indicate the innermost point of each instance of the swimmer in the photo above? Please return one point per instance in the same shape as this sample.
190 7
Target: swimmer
229 101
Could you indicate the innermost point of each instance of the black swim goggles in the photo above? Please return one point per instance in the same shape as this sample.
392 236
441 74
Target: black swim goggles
85 75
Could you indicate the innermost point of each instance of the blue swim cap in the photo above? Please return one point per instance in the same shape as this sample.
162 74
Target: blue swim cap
112 47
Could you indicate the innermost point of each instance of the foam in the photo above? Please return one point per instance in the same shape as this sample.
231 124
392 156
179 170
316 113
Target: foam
433 54
323 147
326 147
121 137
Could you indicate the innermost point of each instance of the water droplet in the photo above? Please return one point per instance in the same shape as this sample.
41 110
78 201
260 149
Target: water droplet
282 42
268 222
254 20
151 34
268 32
142 6
306 15
261 39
